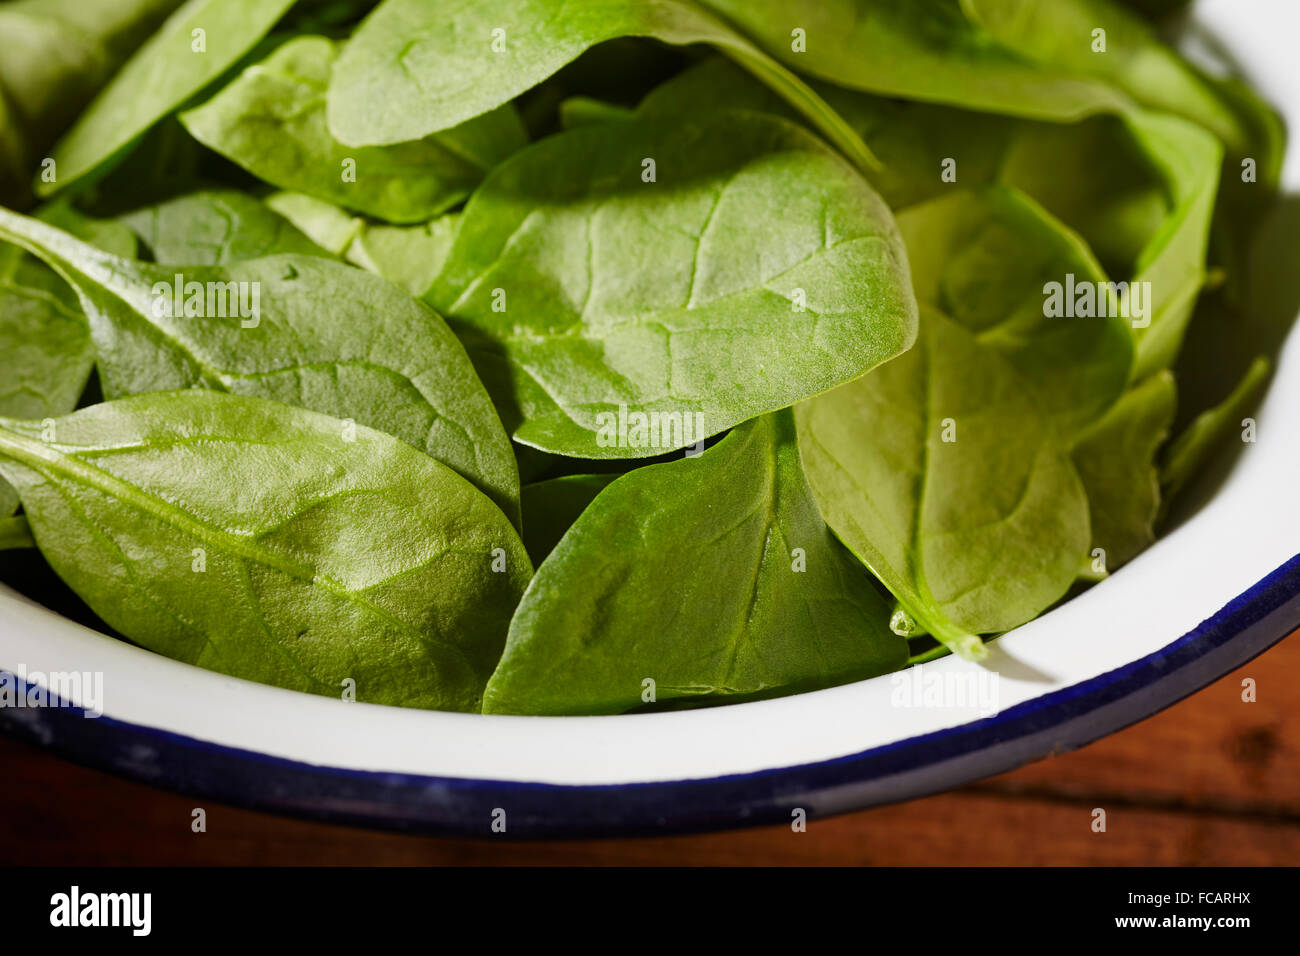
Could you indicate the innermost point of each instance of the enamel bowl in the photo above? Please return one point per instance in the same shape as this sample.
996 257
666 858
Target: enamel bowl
1215 591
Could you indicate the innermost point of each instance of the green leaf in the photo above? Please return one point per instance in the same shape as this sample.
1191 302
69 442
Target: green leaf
271 121
254 539
327 225
58 54
106 234
1116 463
215 228
15 533
973 536
582 110
46 349
687 573
1061 36
1094 175
435 64
947 470
584 292
1174 260
984 258
43 335
924 51
323 336
410 256
1208 432
47 352
161 76
551 507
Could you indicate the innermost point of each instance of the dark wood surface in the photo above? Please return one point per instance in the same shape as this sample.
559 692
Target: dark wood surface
1211 780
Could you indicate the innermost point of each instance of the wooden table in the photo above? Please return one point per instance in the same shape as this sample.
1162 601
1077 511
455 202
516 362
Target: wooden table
1212 780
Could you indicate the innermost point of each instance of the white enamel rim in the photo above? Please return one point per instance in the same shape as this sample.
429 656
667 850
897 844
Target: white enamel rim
1250 528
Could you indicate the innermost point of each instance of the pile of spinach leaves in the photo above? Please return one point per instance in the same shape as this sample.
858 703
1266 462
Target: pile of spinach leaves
528 356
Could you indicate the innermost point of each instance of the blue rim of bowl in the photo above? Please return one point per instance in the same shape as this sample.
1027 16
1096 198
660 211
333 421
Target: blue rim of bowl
913 767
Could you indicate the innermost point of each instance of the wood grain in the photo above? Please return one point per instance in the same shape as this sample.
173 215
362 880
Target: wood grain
1212 780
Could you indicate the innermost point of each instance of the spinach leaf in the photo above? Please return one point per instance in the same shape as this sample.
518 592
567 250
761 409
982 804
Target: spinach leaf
274 544
435 64
112 237
164 73
1193 448
1060 36
43 335
271 121
551 507
322 335
1096 175
409 256
1174 261
920 50
1115 459
712 576
592 300
948 470
15 533
977 535
984 258
582 110
327 225
215 228
46 348
58 53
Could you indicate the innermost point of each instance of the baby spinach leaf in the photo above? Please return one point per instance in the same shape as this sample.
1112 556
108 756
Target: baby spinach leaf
1192 449
322 336
985 258
1174 261
58 53
43 335
1099 177
551 507
46 348
327 225
215 228
271 121
164 73
435 64
975 535
587 294
410 256
581 110
1094 175
920 50
1115 459
1061 36
714 577
947 470
274 544
15 533
110 236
